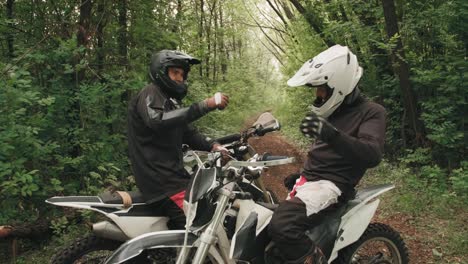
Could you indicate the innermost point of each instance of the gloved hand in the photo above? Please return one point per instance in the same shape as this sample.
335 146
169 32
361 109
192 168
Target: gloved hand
224 152
219 101
314 126
290 180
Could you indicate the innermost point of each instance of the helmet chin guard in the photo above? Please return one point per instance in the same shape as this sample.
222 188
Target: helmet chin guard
338 68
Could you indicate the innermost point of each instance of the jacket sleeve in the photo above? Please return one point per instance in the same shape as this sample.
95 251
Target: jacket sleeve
154 115
367 148
196 140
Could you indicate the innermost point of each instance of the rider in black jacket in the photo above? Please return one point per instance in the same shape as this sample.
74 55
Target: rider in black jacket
158 126
349 134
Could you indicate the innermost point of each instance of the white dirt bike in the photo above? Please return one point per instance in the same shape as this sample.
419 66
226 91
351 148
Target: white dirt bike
129 216
224 225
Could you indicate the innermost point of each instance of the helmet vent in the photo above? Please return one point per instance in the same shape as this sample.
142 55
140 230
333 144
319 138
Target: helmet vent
349 58
318 65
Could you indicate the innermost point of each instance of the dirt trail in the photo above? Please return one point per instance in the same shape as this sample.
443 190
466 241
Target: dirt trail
275 144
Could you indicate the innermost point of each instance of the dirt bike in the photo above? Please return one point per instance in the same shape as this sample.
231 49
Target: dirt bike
128 214
225 225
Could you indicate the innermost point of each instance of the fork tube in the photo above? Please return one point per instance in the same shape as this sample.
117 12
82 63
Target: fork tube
261 186
208 237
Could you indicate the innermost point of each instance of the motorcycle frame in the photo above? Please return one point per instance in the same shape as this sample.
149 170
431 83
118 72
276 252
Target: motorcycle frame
353 224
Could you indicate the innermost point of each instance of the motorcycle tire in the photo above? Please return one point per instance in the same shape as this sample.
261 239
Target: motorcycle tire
395 252
88 249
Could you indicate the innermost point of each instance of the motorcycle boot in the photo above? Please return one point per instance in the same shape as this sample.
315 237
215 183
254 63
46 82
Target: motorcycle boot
314 256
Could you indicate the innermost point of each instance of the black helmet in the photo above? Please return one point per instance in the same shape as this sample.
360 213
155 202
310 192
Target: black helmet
158 71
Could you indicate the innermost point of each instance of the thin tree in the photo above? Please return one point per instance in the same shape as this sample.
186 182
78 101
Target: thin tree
402 70
9 34
313 21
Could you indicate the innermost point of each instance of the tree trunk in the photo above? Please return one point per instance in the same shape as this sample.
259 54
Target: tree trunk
278 13
122 35
83 34
215 48
200 35
402 70
225 55
100 38
9 34
122 40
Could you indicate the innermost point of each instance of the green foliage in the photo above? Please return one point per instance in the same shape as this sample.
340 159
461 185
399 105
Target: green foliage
459 180
63 102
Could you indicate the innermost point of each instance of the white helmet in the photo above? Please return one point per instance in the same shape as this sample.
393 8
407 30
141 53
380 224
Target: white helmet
338 68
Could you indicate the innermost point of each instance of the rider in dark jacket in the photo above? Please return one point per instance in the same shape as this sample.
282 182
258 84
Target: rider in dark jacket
158 126
349 134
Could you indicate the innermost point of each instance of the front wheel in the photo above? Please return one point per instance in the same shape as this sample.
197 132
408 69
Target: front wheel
380 244
89 249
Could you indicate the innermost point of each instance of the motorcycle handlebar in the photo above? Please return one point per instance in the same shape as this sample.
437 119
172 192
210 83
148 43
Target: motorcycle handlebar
270 157
228 139
235 137
262 132
243 196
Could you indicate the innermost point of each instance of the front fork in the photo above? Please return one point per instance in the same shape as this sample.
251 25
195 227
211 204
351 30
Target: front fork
208 237
259 183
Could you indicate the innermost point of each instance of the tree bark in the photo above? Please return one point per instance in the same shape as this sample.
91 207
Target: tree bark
402 70
286 9
215 48
225 55
100 38
122 35
83 34
9 34
278 12
200 34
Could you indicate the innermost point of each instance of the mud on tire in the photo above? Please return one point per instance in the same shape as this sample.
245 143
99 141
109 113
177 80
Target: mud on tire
83 246
379 233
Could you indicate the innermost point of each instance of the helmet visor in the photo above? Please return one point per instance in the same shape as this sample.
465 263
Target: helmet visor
323 93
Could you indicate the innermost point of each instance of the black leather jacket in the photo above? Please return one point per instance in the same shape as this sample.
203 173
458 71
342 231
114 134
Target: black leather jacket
358 146
157 128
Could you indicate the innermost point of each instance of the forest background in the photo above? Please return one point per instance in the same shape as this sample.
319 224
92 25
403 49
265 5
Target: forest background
69 68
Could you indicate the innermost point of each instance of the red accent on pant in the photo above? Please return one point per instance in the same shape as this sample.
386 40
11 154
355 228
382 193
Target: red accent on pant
178 199
299 182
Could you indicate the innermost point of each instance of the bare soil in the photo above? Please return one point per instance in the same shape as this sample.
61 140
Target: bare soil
419 249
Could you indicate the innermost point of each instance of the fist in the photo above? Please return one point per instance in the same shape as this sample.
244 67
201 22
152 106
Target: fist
314 126
224 152
218 101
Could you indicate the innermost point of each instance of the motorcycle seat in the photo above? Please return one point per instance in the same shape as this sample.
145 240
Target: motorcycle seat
270 206
116 198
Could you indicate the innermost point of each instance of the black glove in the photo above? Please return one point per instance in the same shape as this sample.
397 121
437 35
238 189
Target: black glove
290 180
314 126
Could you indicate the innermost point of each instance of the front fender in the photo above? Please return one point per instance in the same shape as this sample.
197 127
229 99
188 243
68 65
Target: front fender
161 239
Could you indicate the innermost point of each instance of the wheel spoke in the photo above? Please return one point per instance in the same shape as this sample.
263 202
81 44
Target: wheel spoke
378 250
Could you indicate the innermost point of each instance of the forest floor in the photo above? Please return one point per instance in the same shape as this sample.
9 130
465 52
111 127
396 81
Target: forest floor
421 248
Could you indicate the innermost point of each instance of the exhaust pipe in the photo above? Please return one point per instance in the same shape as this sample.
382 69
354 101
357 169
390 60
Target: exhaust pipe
106 229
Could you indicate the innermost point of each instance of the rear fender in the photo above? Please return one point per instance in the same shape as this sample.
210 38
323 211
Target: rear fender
93 203
355 221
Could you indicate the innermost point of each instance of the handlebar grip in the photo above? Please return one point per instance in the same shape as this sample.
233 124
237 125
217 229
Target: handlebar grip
243 196
267 157
262 132
228 139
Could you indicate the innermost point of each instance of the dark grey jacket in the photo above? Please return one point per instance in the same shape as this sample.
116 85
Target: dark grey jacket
157 128
358 146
